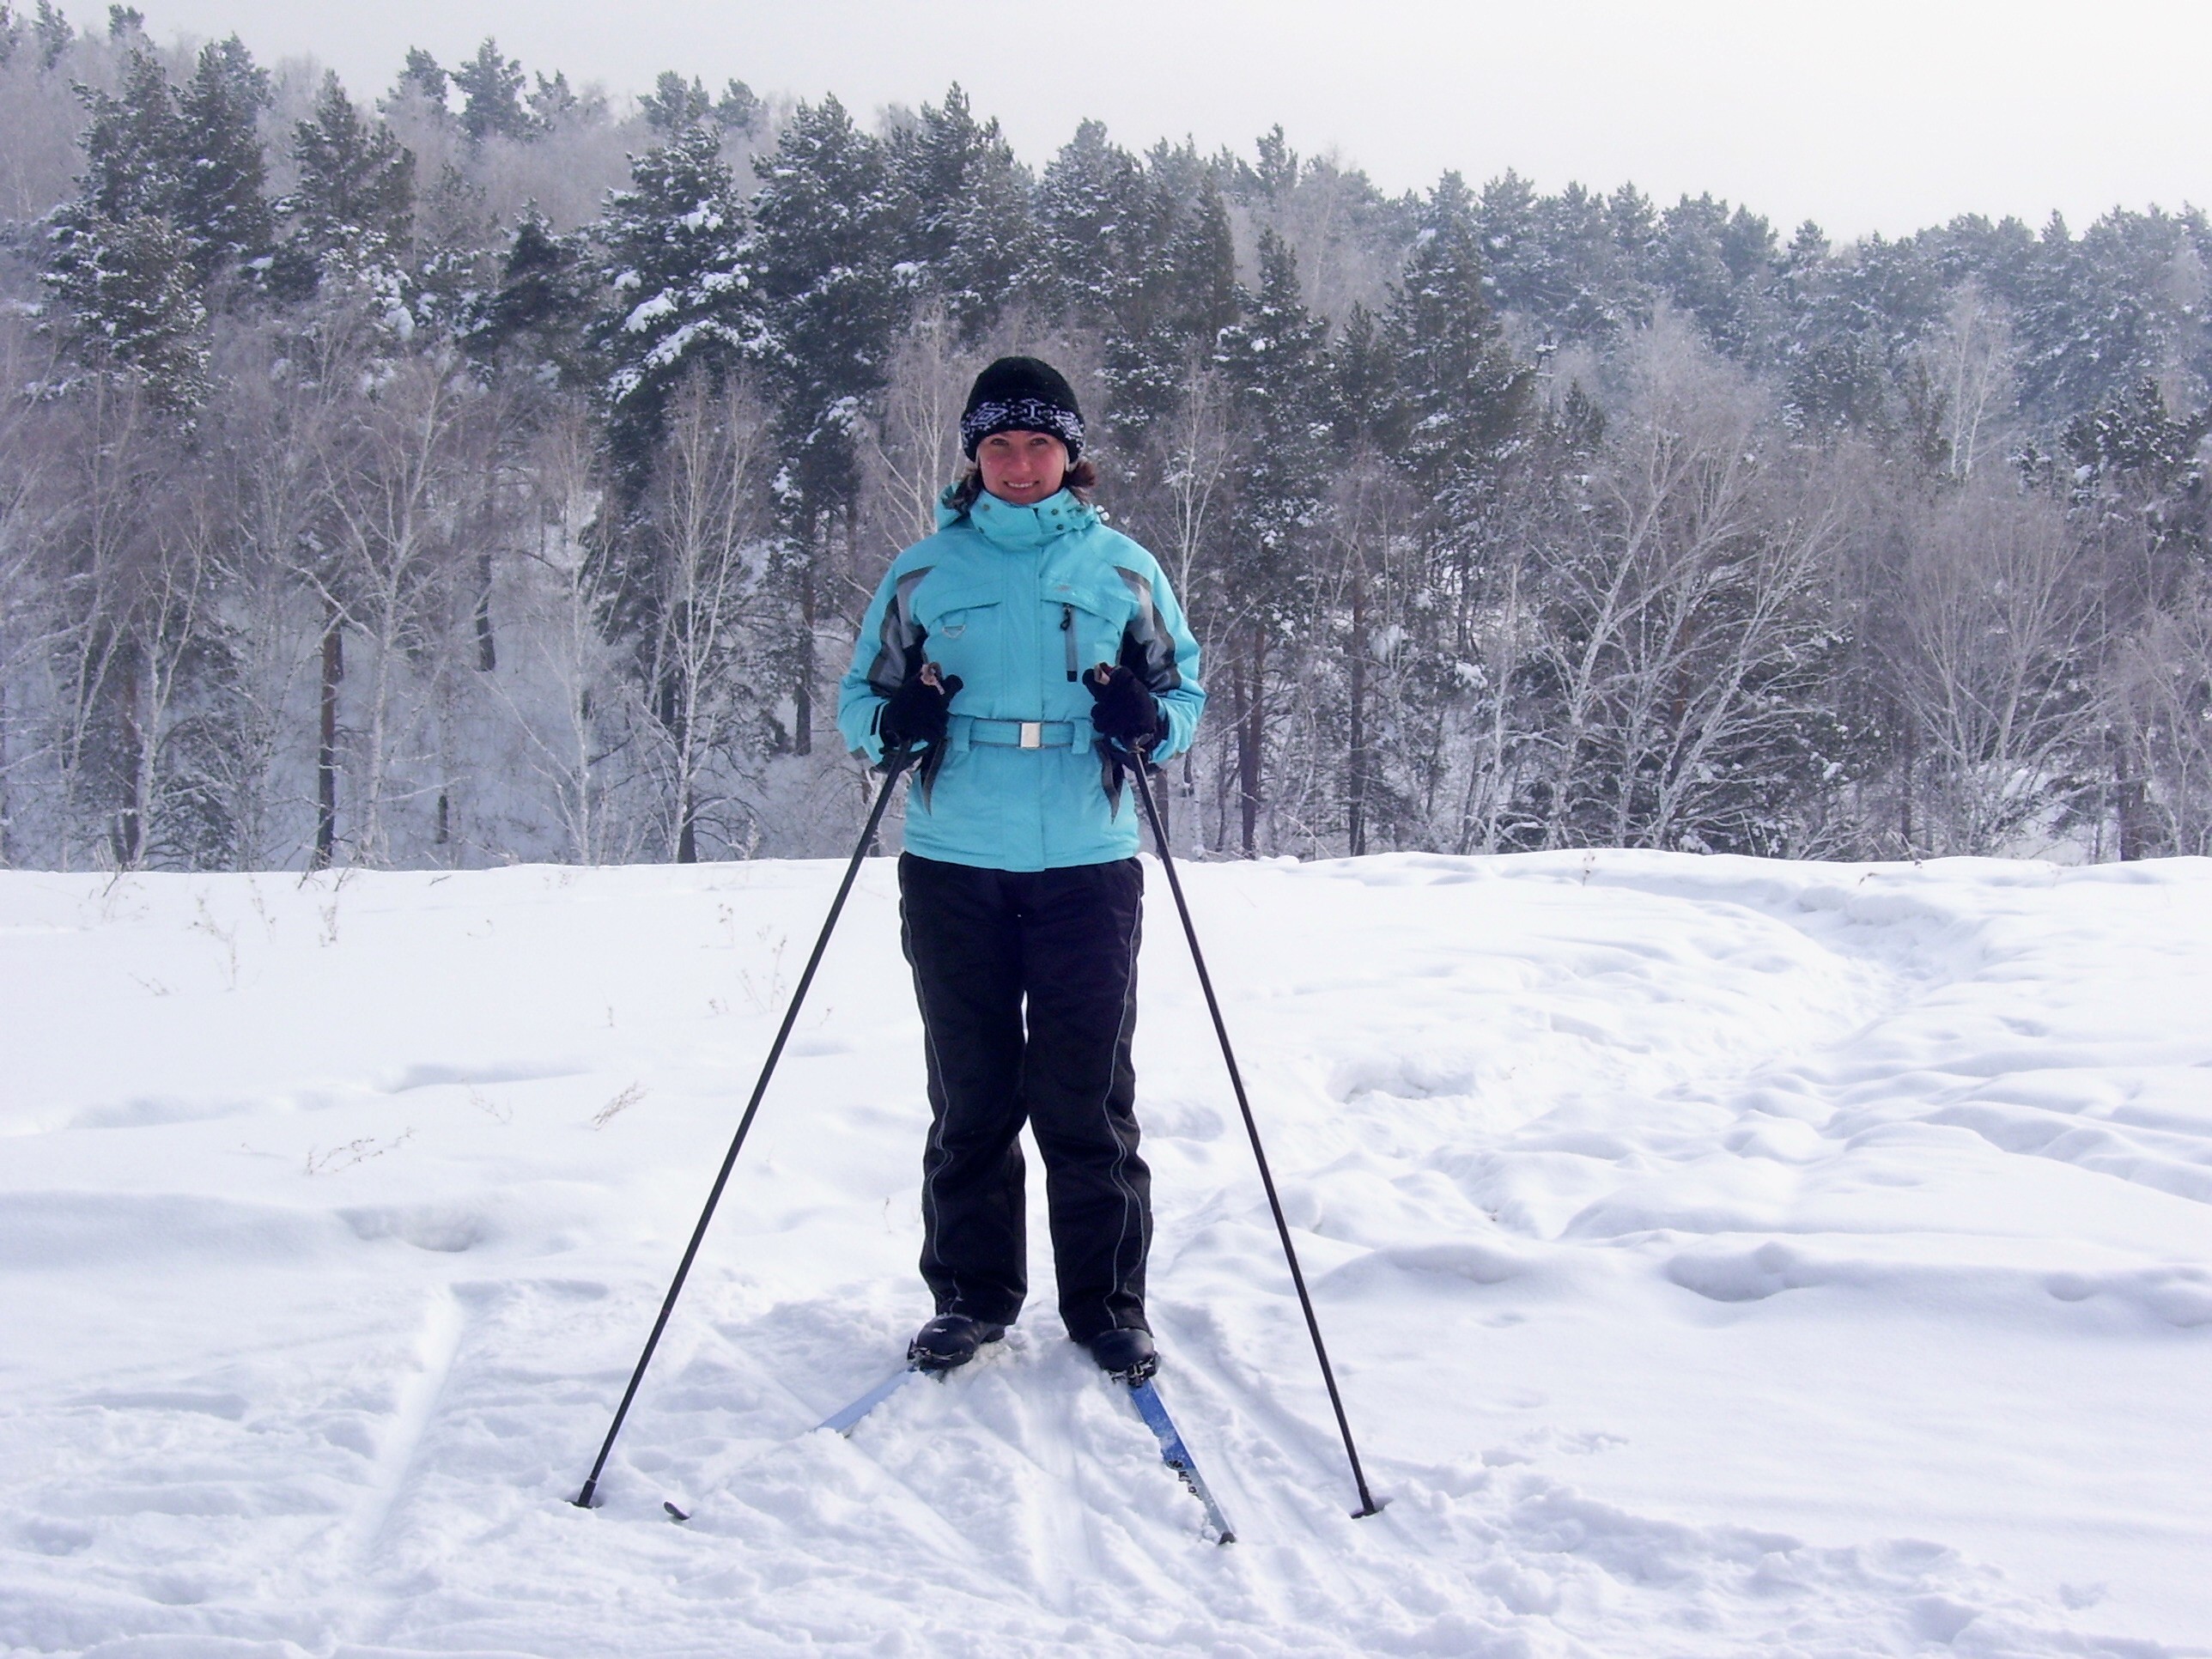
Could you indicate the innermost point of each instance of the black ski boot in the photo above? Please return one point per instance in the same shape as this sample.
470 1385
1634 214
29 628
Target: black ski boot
1126 1352
950 1341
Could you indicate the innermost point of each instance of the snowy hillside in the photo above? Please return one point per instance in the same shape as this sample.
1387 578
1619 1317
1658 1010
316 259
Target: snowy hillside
1719 1257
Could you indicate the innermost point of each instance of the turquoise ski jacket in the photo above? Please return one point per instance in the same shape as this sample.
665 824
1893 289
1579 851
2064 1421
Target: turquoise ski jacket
1020 602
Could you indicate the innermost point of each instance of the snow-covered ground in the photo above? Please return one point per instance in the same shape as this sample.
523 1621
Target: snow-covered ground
1719 1258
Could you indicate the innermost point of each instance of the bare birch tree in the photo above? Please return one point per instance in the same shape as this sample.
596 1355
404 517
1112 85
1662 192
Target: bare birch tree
392 492
709 529
1993 624
2161 689
913 448
1686 618
577 715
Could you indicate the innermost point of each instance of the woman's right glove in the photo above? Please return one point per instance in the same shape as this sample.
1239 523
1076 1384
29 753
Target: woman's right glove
916 713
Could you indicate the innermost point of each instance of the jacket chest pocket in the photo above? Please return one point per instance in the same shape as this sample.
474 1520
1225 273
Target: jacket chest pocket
959 624
1088 623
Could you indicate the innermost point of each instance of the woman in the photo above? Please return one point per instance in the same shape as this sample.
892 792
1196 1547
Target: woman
1026 650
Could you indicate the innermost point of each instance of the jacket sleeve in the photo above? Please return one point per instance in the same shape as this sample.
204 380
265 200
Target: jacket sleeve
890 640
1158 646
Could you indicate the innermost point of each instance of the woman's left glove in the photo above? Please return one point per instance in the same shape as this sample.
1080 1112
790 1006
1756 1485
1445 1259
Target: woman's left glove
1124 710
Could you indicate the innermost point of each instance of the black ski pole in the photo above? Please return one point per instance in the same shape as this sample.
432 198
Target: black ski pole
1367 1504
897 765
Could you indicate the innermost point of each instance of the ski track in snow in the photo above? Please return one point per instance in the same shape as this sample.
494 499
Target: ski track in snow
1718 1256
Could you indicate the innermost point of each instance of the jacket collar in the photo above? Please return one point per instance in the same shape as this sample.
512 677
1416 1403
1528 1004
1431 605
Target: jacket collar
1022 529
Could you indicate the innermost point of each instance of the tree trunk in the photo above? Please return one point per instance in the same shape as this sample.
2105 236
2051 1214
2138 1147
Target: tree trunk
129 827
487 646
1251 732
1355 817
326 748
802 689
2131 801
1910 779
7 815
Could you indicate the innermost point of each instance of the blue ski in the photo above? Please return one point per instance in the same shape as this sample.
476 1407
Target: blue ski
1176 1456
844 1421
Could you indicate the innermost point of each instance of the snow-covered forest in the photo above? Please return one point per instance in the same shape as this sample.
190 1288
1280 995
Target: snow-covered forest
481 468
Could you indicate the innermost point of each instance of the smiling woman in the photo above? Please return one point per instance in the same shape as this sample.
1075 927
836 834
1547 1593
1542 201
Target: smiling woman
1023 448
1022 467
1031 654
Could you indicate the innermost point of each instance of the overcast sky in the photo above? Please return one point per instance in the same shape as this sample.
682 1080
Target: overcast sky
1862 114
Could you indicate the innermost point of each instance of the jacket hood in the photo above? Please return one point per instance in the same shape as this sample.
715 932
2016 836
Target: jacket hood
1020 529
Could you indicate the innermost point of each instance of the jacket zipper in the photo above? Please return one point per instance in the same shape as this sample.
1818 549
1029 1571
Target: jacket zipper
1067 630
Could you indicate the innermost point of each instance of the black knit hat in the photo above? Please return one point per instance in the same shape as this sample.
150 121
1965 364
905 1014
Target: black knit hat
1021 394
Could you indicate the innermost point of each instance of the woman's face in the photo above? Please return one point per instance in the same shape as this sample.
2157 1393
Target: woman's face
1022 467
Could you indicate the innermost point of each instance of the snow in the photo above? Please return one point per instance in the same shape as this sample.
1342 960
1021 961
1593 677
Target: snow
1717 1257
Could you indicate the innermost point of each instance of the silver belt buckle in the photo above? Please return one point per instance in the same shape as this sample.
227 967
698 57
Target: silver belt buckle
1032 734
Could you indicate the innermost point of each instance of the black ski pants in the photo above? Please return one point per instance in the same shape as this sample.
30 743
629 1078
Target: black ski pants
1027 986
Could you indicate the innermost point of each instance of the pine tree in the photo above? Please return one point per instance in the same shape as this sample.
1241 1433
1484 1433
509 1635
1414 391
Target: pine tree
1516 262
1715 264
1275 174
1088 204
354 203
1858 318
935 159
975 233
491 96
221 193
1274 359
832 218
453 266
425 77
2095 314
1458 412
1176 280
535 319
1634 228
1461 397
53 34
1998 259
738 109
170 199
132 141
554 104
129 285
1359 400
675 104
1551 259
681 295
2134 459
1603 298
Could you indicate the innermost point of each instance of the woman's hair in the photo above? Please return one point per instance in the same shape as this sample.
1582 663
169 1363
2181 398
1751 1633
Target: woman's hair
1081 478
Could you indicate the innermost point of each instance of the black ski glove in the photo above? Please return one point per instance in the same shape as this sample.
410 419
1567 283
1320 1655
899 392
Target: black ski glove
916 712
1124 710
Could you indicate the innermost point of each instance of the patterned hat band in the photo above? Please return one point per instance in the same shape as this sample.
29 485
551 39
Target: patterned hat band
1021 414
